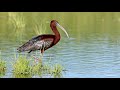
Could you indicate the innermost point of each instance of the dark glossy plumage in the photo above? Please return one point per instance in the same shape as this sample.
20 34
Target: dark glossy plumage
43 42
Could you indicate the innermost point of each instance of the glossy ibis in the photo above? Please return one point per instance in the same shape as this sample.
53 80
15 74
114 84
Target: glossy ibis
44 41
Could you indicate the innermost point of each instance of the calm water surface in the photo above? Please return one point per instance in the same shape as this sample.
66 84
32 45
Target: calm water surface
92 51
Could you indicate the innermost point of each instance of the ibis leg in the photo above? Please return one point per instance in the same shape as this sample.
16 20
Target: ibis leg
41 54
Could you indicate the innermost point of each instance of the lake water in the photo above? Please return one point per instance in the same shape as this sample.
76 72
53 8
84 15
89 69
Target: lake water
92 51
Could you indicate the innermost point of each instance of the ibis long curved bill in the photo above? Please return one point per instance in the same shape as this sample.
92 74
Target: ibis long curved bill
63 29
44 41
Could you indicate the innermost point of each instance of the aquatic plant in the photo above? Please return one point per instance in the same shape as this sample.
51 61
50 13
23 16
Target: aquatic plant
21 66
41 69
22 76
39 27
23 69
46 68
17 19
2 67
17 22
57 71
37 69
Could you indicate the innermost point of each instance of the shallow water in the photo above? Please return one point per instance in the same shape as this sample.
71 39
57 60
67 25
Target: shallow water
92 51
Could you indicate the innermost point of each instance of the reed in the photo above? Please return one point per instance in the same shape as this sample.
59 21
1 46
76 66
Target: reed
18 23
40 26
37 69
2 66
23 69
21 66
17 19
42 70
56 72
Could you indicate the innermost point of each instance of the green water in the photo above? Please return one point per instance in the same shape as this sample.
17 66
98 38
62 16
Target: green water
93 49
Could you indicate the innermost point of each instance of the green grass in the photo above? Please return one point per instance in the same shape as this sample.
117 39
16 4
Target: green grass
46 69
22 76
17 22
39 26
17 19
23 69
56 72
37 69
2 67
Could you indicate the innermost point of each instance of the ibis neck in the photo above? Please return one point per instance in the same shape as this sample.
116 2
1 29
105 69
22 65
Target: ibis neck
57 34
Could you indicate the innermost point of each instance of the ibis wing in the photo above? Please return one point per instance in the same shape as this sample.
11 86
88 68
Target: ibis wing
43 44
27 46
37 43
